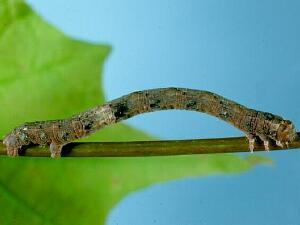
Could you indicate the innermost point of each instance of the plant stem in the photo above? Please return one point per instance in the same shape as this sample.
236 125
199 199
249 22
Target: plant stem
151 148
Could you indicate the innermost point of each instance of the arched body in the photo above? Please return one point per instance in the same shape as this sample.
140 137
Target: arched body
57 133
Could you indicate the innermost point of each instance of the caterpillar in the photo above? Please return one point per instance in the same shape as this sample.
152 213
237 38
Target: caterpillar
56 133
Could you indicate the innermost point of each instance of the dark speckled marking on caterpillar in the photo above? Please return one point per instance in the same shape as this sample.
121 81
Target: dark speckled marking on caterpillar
57 133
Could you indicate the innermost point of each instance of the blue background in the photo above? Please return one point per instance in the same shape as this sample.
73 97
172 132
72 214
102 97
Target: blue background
248 51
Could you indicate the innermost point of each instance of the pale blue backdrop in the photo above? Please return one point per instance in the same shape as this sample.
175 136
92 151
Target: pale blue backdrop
248 51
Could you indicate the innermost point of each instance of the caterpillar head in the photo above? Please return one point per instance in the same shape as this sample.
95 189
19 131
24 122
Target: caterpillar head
286 132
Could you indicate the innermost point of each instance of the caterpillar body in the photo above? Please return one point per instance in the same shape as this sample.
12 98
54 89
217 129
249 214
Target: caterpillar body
57 133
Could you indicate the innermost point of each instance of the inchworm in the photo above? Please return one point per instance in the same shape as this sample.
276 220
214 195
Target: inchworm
57 133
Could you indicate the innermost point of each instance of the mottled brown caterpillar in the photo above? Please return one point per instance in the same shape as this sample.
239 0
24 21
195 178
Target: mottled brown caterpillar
57 133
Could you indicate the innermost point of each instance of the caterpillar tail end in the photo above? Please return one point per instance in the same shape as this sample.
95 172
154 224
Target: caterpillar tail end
12 152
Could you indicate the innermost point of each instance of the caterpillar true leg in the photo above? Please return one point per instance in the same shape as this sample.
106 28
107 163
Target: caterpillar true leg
266 141
278 143
266 145
287 144
251 140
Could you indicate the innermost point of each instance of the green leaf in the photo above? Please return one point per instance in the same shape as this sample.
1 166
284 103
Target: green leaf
82 191
47 75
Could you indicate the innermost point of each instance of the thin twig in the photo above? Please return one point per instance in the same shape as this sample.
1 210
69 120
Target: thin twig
151 148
